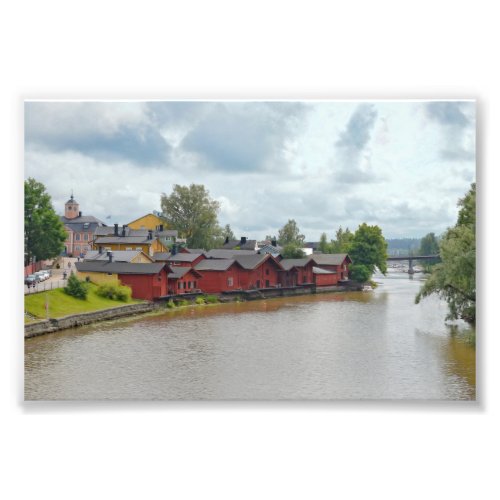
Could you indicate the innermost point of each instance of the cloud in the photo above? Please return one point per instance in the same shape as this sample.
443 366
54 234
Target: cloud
244 137
104 131
457 123
353 160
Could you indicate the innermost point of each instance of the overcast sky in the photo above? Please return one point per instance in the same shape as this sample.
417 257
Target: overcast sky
399 164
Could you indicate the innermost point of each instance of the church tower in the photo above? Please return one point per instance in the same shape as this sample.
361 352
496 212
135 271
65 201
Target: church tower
71 208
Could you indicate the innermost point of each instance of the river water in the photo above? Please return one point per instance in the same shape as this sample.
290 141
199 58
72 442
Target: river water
359 345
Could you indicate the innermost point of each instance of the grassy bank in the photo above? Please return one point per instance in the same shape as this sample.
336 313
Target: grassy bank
61 304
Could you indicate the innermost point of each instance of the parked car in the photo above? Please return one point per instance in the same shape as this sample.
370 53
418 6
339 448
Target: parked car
31 279
42 275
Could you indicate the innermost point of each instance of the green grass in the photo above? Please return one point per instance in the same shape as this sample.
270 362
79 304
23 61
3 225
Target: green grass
61 304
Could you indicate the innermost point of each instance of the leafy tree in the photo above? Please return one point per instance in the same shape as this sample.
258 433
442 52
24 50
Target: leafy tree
324 246
454 278
368 250
227 232
191 211
343 241
292 251
44 233
290 234
76 288
429 245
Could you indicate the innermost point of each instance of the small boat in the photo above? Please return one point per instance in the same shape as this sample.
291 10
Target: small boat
367 288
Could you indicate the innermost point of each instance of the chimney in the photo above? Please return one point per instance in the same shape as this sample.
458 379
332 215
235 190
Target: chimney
274 243
116 229
79 214
110 256
227 240
243 240
150 234
123 230
100 249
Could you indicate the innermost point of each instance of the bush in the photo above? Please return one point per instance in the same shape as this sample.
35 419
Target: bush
183 303
199 300
170 304
76 288
211 299
360 273
114 291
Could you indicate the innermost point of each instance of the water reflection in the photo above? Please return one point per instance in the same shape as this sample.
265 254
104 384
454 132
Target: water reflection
329 346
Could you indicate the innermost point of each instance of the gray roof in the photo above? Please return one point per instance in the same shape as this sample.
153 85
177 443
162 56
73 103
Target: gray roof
251 261
119 267
110 231
161 256
195 250
86 223
179 272
184 257
270 249
118 255
248 245
289 263
330 259
122 239
318 270
214 264
225 253
167 233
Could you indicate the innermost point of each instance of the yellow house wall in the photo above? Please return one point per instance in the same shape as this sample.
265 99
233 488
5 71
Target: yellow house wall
148 221
97 277
142 258
155 246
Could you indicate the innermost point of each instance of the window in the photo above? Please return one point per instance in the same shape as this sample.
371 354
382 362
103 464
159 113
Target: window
230 281
86 236
258 283
194 284
77 237
128 248
77 248
138 248
304 279
267 271
267 283
181 285
189 284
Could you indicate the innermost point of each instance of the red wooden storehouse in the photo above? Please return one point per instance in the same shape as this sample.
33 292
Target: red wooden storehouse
183 279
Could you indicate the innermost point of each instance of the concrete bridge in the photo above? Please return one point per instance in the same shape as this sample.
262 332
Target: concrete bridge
411 258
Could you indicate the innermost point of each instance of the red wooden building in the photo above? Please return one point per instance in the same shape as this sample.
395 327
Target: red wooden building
245 272
185 259
183 279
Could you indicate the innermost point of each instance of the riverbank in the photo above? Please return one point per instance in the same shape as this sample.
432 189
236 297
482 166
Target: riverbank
62 322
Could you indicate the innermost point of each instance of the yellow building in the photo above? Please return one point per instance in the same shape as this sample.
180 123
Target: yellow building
148 221
147 244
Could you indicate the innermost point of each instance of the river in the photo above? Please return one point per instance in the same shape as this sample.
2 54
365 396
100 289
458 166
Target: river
357 345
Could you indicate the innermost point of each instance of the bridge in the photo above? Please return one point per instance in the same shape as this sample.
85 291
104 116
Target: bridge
411 258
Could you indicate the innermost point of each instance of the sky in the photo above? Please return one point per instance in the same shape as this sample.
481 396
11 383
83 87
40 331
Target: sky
402 165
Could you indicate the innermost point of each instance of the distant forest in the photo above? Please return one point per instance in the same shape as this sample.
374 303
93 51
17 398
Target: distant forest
402 246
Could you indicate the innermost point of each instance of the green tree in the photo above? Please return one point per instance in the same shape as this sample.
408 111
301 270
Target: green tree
76 288
290 234
44 233
367 250
292 251
324 246
191 211
454 278
227 233
429 245
342 242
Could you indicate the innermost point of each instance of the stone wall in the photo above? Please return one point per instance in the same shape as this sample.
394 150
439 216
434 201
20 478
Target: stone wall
55 324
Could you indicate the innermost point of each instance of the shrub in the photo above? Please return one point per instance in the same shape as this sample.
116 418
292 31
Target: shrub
114 291
170 304
211 299
76 288
199 300
183 303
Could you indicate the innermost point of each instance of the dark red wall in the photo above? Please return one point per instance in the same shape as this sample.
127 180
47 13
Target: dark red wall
189 281
146 286
325 279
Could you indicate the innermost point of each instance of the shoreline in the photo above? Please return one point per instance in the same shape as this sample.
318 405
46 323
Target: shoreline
52 325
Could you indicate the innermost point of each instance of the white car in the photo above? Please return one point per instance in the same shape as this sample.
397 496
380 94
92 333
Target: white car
42 275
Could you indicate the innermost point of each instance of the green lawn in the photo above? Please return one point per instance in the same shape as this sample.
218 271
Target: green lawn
61 304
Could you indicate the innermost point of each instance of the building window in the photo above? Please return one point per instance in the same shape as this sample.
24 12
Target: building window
128 248
77 248
194 284
138 248
267 271
77 237
181 285
304 279
86 236
230 281
189 284
267 283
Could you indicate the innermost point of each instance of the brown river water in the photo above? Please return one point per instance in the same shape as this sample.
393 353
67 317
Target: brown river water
359 345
